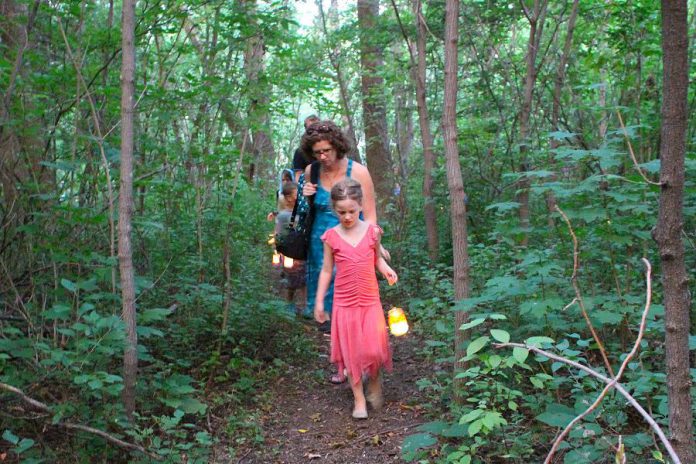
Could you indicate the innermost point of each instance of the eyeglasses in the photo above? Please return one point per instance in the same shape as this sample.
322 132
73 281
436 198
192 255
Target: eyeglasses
321 152
318 129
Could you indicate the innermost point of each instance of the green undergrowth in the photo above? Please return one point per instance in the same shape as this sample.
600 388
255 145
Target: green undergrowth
515 402
67 350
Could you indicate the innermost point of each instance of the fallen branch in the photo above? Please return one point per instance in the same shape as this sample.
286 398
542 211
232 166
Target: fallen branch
648 418
578 295
633 155
613 382
69 425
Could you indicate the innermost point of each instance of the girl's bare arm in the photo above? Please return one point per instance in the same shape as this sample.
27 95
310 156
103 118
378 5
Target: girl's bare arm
324 281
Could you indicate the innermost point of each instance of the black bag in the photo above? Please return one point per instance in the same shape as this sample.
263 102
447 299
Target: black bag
293 241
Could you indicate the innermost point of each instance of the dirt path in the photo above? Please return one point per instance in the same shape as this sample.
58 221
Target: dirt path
310 419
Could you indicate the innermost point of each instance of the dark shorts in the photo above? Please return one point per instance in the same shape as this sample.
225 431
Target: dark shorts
295 277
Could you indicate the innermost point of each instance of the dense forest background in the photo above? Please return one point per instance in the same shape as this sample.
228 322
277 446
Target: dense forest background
554 113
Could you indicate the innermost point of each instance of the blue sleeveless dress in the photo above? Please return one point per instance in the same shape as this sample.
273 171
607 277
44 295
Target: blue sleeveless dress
324 219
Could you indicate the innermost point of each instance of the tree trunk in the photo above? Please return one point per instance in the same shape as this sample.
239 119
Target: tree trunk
556 105
403 121
13 141
536 27
374 107
456 186
334 53
125 207
677 301
426 137
259 98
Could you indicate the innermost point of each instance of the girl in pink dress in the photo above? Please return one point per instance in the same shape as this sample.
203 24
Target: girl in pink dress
359 339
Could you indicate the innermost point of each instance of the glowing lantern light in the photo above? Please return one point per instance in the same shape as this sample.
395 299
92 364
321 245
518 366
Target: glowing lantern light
287 262
398 325
271 241
276 258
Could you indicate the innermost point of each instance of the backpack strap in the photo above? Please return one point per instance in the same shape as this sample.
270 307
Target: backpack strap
314 172
313 178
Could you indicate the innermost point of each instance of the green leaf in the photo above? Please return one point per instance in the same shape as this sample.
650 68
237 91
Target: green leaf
501 335
471 416
475 427
192 406
476 345
152 315
11 437
95 384
520 354
416 441
69 285
455 431
493 419
503 206
494 361
473 323
538 341
435 427
556 415
23 445
560 135
607 317
58 312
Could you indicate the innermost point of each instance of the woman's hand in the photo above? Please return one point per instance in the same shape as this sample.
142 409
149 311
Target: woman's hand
309 189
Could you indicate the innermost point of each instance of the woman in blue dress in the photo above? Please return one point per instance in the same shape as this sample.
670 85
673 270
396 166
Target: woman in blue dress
324 142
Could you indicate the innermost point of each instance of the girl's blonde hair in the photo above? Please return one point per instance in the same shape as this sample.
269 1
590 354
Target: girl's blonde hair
347 189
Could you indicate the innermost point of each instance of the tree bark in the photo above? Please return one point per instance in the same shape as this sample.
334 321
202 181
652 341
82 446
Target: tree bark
426 137
259 98
536 27
456 186
334 53
556 105
125 206
379 161
677 300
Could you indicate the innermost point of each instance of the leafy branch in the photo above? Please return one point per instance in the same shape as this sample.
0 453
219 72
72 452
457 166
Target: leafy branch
69 425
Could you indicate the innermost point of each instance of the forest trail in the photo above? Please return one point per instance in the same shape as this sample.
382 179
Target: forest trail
310 418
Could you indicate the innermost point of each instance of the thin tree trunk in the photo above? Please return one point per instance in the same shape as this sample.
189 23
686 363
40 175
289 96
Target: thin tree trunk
426 137
342 86
125 207
557 88
670 222
259 97
403 121
456 187
377 154
536 27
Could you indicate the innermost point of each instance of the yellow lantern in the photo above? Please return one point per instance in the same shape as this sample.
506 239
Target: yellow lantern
398 325
276 258
287 262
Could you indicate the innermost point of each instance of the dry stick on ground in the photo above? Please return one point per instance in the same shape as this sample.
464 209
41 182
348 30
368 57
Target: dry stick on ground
610 385
576 287
648 418
633 156
69 425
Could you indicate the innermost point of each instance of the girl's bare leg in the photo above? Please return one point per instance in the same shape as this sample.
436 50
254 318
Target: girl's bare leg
374 392
360 406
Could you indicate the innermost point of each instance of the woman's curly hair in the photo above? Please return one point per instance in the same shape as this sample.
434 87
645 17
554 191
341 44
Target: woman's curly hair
324 131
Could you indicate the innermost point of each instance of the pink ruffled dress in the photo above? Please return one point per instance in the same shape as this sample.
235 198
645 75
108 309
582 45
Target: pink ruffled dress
359 338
